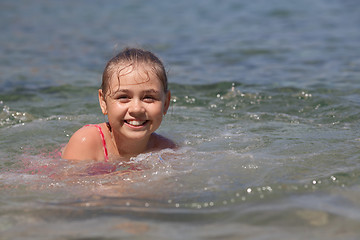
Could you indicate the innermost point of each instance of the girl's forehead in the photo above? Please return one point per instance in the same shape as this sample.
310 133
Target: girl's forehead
134 77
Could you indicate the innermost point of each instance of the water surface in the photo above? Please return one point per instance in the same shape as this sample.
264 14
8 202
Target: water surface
265 107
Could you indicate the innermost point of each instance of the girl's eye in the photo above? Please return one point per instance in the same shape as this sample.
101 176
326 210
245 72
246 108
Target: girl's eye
149 99
123 98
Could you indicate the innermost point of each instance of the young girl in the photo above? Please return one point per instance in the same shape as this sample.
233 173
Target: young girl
134 95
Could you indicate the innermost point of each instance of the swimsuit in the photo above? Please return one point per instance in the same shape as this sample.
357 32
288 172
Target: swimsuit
102 138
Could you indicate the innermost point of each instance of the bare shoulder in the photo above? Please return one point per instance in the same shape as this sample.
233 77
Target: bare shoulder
161 142
84 144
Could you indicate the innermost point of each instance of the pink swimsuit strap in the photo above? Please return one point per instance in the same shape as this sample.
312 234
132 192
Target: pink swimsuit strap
102 138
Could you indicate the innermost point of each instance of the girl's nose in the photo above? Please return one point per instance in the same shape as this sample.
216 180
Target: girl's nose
136 107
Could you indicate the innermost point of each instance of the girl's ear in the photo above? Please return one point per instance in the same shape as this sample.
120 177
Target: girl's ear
102 102
167 101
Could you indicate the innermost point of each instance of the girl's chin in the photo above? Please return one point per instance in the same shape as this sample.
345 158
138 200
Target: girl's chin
137 135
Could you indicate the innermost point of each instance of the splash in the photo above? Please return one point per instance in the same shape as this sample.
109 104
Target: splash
9 117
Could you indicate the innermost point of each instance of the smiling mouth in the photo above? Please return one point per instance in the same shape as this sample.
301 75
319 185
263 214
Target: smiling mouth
136 123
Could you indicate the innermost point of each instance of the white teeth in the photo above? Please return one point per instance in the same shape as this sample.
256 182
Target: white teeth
136 123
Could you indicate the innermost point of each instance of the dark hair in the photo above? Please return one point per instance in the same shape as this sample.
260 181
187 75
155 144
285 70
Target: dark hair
134 57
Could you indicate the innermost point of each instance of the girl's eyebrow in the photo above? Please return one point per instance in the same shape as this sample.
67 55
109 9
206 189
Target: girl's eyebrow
122 90
149 91
152 91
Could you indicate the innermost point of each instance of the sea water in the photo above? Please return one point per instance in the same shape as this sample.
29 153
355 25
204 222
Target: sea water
265 108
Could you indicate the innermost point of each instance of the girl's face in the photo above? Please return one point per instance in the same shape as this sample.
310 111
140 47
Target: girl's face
135 104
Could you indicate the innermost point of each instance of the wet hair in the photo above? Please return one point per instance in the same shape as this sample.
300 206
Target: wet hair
135 58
